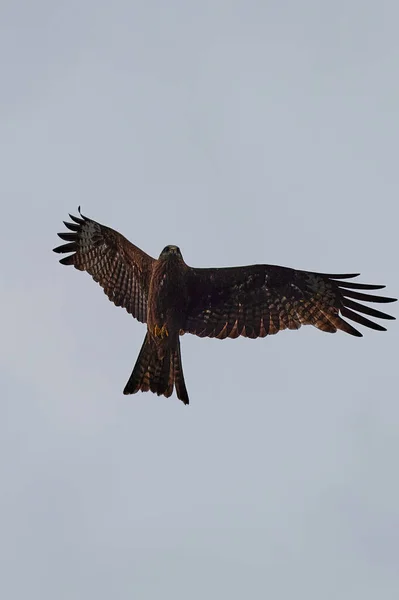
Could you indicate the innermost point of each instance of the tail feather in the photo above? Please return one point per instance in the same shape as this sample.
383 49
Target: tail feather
178 375
159 375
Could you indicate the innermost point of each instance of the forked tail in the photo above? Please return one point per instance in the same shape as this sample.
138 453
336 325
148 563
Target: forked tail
159 375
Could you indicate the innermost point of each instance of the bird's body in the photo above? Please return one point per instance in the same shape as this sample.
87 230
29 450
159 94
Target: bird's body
173 298
167 296
158 367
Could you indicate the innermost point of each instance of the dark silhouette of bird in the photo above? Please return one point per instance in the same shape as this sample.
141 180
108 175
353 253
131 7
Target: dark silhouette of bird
173 299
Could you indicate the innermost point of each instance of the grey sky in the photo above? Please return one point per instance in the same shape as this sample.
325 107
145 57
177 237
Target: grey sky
243 132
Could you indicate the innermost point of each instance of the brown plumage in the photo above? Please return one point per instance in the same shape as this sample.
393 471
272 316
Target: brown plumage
173 299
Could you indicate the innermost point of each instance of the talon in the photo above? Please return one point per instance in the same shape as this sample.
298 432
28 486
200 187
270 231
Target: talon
161 332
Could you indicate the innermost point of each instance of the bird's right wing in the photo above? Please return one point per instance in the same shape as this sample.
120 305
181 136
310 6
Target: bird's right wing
122 269
259 300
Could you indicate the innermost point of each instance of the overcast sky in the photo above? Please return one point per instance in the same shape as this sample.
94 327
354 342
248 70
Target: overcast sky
243 131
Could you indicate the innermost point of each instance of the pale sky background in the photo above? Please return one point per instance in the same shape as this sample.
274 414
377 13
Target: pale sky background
246 131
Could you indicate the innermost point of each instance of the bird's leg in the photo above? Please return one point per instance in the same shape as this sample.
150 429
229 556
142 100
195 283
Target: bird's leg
161 332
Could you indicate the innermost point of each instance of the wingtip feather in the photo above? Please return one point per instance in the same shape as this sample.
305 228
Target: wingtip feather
82 215
76 219
67 260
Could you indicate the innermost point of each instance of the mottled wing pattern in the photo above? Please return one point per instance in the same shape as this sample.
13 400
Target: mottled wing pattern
122 269
261 300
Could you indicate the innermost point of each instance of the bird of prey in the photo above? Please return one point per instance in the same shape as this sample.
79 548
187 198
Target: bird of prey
173 298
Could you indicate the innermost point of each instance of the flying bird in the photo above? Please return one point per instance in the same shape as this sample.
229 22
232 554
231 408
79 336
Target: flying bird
173 298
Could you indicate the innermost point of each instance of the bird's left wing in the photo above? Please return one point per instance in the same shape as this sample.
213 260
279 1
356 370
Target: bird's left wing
260 300
120 267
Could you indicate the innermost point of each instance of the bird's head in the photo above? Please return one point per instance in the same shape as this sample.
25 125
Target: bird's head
170 251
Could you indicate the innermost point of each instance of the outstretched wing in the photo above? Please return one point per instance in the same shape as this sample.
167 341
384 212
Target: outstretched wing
261 300
122 269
